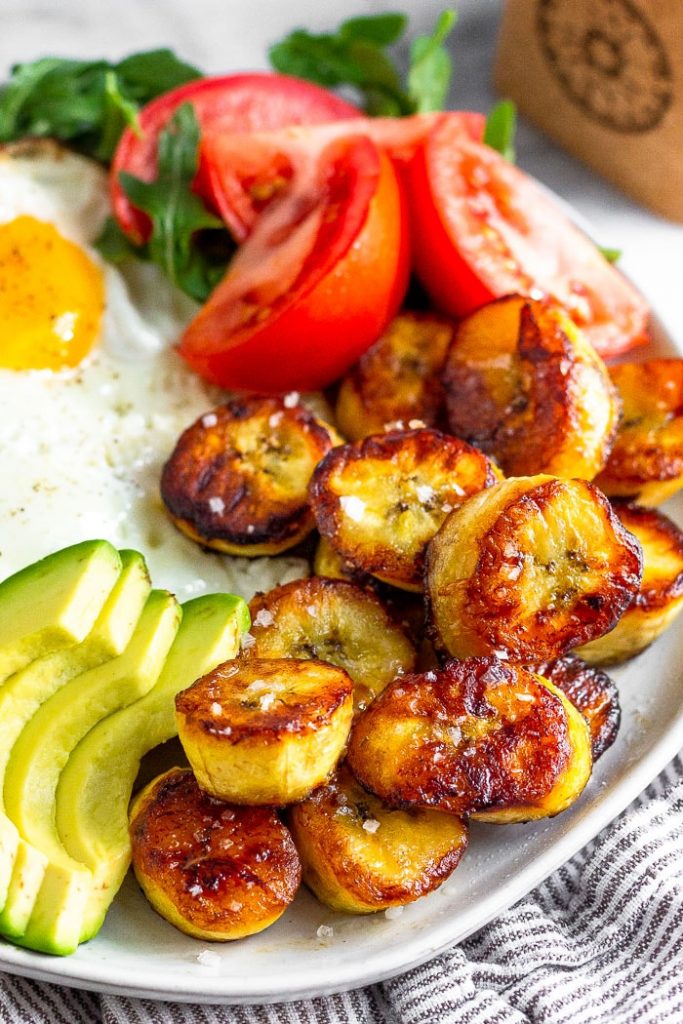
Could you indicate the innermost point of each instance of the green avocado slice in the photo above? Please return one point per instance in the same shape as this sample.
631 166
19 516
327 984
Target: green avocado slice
43 749
21 866
92 796
53 603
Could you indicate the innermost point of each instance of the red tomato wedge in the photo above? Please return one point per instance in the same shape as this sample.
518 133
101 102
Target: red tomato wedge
482 228
323 270
231 103
241 177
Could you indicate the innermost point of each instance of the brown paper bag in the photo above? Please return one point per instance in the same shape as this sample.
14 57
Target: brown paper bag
605 79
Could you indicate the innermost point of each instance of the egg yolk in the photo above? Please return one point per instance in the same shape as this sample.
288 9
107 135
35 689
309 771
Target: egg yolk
51 298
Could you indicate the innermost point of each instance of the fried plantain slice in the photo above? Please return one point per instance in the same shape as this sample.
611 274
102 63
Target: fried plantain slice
380 501
328 562
397 380
660 597
360 856
237 479
646 462
592 692
530 569
336 622
214 871
525 385
265 731
479 737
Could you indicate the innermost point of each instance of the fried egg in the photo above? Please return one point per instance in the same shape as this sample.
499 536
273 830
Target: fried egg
92 393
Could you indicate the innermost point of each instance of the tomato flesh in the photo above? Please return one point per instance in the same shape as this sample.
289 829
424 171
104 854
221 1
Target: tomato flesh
320 275
230 103
482 228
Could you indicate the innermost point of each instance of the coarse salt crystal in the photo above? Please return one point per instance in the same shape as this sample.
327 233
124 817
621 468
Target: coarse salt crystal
325 931
216 708
430 676
424 493
455 733
264 617
248 640
266 701
250 528
275 419
446 507
371 825
207 958
353 507
312 610
217 505
195 890
290 400
393 912
526 697
416 424
210 419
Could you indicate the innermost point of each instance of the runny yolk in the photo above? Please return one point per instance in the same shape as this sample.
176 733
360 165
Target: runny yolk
51 298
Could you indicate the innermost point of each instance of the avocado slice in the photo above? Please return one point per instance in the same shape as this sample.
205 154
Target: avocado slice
53 603
21 866
92 797
43 749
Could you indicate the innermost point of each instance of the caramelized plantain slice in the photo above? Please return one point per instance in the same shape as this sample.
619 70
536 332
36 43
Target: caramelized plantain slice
397 380
214 871
524 385
646 462
237 479
332 621
328 562
660 597
265 731
530 569
381 500
479 737
360 856
592 692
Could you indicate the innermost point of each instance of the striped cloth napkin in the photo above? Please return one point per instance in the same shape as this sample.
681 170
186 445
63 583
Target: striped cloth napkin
600 942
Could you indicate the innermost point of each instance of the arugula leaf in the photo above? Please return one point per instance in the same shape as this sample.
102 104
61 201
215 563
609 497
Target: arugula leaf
355 56
86 104
501 126
189 243
430 66
611 255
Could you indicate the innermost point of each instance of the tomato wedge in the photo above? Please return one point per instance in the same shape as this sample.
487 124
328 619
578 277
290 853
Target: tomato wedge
240 177
230 103
323 270
482 228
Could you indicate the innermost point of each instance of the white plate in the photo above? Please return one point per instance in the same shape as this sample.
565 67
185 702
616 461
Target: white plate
139 954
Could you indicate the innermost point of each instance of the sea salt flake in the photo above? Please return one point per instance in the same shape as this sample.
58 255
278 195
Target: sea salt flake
393 912
266 701
325 931
371 825
248 640
353 507
195 890
424 493
526 697
210 419
430 676
291 400
250 528
275 419
455 733
216 708
217 505
446 507
312 610
207 958
417 424
235 907
264 618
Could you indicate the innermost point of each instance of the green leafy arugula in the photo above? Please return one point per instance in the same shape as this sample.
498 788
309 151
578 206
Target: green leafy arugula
501 127
611 255
86 104
355 56
189 243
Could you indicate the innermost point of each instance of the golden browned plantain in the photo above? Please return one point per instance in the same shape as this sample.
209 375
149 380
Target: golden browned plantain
265 731
379 501
332 621
479 737
214 871
660 597
359 855
237 479
590 690
529 569
397 380
646 462
328 562
525 385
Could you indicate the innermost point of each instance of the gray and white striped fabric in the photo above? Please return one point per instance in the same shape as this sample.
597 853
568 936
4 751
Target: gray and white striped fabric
600 942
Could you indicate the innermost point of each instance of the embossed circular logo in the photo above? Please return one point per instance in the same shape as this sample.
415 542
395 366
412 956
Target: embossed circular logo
609 59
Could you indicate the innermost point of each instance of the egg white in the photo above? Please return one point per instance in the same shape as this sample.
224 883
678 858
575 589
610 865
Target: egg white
81 450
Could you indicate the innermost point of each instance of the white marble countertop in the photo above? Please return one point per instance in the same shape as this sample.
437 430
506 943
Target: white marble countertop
221 35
